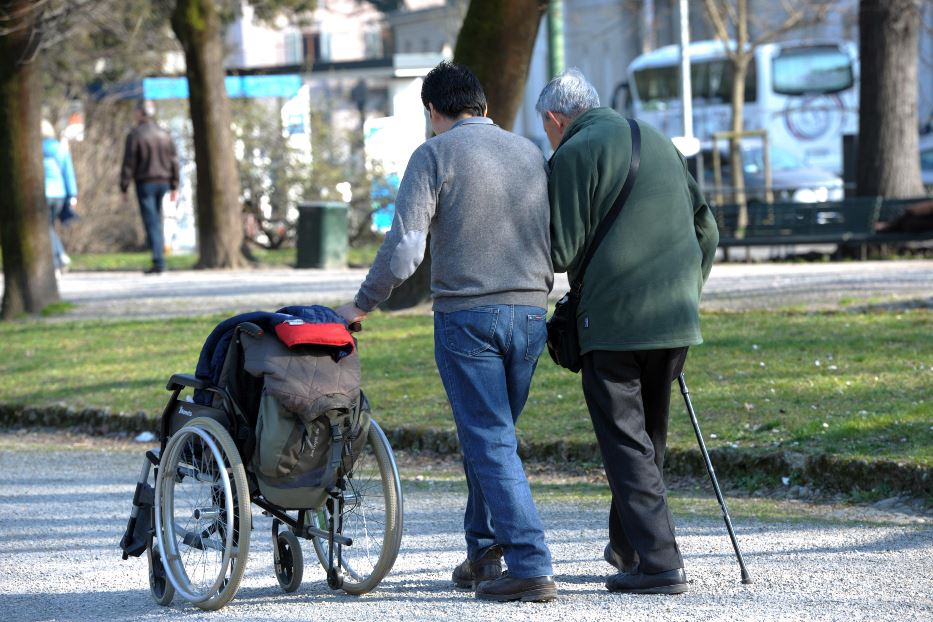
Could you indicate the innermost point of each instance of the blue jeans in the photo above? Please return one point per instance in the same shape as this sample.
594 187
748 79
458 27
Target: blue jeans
58 249
486 357
150 195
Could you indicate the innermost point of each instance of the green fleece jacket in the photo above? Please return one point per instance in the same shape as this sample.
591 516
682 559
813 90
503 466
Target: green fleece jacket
642 288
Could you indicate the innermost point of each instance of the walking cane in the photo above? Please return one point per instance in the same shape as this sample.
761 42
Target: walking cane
746 578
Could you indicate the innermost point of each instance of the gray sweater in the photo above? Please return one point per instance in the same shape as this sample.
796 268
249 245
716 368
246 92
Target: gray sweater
481 192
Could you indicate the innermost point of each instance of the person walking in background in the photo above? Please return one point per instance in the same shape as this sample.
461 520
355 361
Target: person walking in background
61 191
481 193
639 310
150 160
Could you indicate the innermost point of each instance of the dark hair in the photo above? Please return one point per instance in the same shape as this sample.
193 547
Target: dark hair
453 89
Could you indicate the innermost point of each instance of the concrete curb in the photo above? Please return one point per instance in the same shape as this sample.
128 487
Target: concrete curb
824 472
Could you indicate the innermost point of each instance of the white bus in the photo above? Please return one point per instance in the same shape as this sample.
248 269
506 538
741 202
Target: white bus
805 94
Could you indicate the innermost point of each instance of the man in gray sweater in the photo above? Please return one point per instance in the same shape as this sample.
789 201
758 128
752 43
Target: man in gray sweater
481 193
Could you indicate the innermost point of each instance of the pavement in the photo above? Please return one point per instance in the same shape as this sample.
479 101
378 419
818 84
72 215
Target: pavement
63 510
730 287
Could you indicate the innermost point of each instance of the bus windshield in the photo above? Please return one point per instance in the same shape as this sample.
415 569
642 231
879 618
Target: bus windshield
803 71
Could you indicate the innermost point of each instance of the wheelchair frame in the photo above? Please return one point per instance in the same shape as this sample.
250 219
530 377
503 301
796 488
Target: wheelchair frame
212 432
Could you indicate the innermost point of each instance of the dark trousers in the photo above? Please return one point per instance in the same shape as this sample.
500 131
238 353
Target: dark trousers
150 194
629 396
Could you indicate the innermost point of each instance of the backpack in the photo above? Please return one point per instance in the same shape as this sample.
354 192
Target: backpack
312 419
297 459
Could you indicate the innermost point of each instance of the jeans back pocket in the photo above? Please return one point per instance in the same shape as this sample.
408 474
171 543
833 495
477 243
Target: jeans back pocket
471 331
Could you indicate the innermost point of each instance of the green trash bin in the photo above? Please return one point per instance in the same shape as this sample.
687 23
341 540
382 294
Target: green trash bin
322 235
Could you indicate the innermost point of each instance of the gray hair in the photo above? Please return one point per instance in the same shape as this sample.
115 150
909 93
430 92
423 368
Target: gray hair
569 94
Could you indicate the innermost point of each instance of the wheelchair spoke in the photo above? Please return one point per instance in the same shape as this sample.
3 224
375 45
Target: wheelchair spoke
203 498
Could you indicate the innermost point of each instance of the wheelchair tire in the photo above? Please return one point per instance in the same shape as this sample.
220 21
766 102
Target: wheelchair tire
289 567
202 509
159 585
372 518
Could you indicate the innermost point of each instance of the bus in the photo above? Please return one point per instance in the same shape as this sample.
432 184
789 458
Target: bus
805 94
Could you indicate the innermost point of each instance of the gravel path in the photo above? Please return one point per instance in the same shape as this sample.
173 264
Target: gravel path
731 286
62 513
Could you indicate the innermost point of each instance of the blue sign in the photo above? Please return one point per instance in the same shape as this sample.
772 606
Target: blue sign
285 85
383 202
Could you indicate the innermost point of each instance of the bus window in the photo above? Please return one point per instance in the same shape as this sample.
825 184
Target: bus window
657 86
711 81
715 81
805 71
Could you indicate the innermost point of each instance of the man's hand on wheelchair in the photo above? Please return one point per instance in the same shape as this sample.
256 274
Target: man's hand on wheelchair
353 315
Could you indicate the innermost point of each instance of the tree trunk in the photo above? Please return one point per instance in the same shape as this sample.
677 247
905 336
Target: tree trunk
28 273
888 149
220 230
495 42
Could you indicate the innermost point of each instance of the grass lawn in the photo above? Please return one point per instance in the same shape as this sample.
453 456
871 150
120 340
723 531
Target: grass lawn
855 384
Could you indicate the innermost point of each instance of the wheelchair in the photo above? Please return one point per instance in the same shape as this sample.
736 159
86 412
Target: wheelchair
192 508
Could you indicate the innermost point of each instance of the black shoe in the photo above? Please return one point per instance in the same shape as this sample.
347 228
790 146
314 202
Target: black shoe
486 567
668 582
154 270
506 588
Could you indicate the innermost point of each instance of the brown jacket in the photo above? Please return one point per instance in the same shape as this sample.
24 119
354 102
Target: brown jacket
149 156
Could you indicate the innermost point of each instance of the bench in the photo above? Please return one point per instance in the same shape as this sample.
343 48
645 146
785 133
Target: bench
851 221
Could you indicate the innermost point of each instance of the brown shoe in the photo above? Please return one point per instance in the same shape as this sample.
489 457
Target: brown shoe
506 589
486 567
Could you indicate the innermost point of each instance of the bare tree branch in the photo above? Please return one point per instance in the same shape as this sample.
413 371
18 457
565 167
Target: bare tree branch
730 11
715 13
741 29
796 15
50 21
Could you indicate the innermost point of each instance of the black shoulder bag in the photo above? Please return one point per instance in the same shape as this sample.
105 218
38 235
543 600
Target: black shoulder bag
563 343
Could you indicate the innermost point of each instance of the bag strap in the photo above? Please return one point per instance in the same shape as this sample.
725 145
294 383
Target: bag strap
606 224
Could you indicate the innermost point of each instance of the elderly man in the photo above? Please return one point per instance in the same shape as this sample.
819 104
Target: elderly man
481 193
639 310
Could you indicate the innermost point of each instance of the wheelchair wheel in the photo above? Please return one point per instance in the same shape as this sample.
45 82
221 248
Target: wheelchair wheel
371 517
202 511
289 564
159 585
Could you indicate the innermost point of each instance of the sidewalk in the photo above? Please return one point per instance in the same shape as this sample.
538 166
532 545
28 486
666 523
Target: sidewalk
731 287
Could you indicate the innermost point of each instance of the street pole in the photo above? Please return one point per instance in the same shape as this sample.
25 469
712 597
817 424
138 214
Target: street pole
686 90
555 31
647 26
688 145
